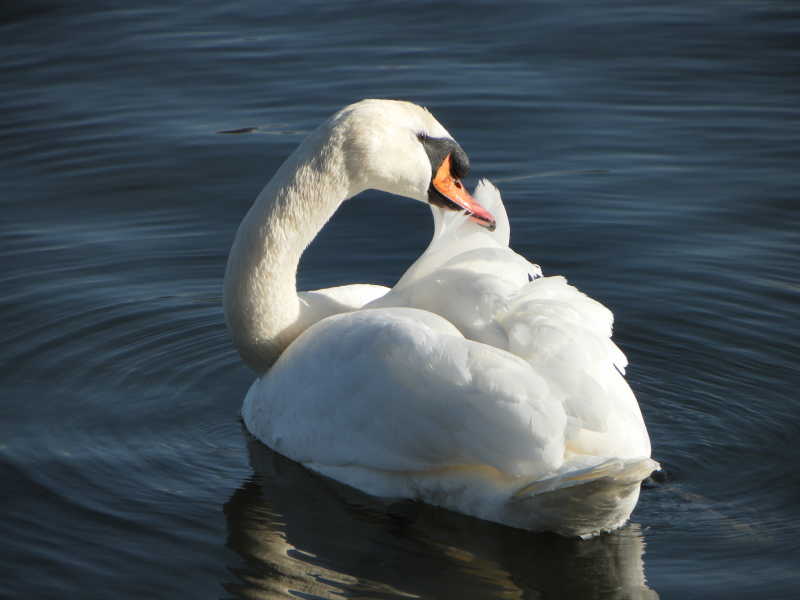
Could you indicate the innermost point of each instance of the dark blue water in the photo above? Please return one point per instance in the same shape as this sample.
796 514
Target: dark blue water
648 153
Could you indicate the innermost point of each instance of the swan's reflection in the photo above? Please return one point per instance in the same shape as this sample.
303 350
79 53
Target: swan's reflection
304 536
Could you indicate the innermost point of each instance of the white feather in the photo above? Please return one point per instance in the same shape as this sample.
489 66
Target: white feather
474 384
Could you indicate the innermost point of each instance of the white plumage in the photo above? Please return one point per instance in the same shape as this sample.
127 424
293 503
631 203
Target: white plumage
475 383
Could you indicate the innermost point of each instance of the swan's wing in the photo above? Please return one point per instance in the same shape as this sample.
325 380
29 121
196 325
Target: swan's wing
488 196
566 336
319 304
346 297
451 225
401 390
454 234
467 273
493 295
563 335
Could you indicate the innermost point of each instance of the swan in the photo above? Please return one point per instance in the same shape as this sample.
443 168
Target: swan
474 384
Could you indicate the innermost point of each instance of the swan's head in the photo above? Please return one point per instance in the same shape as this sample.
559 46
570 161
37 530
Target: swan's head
400 148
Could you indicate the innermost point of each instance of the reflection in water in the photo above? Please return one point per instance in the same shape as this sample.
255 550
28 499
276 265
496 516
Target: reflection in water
302 535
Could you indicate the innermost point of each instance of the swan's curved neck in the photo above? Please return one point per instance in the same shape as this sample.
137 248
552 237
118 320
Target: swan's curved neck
262 309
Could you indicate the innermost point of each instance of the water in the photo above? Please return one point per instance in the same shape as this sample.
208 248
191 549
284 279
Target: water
669 134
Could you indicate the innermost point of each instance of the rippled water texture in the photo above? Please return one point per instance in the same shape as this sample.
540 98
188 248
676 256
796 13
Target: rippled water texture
646 152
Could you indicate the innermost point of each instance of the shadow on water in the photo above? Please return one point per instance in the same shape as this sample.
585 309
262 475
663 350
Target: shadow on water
305 536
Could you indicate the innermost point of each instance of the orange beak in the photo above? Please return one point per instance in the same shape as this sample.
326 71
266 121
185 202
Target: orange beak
454 191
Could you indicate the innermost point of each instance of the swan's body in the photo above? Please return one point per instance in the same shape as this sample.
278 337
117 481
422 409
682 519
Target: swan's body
473 384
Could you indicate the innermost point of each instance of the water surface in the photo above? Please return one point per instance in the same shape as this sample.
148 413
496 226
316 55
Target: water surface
648 153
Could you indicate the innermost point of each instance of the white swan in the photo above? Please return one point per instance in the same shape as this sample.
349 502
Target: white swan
474 384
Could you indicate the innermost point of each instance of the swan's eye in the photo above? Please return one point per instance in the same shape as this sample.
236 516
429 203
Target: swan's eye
458 184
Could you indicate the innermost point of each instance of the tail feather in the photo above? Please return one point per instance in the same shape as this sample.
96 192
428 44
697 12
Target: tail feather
617 471
582 502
